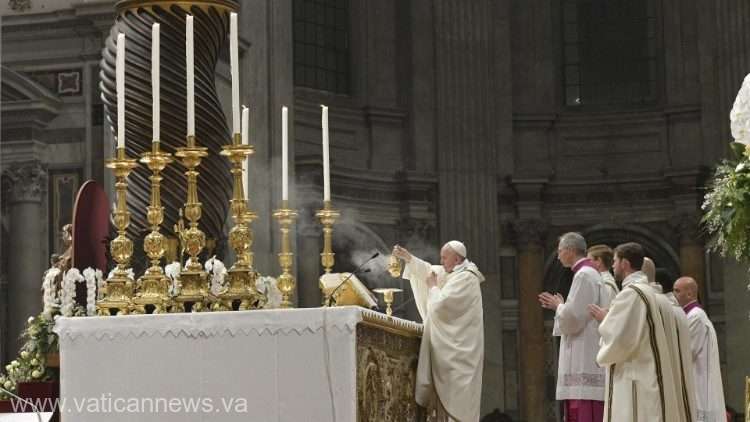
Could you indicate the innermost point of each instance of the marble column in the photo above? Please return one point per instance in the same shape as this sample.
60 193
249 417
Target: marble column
26 187
529 242
471 107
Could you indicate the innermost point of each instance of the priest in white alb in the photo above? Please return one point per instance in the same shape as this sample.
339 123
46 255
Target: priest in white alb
705 353
449 300
642 381
580 381
601 256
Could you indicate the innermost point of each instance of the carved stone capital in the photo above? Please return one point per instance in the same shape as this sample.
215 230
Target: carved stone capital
529 233
25 182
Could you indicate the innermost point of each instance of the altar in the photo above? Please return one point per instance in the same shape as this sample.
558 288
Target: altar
320 364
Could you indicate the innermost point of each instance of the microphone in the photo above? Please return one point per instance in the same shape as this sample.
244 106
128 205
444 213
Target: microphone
356 271
26 402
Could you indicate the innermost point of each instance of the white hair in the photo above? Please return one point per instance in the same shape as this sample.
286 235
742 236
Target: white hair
574 241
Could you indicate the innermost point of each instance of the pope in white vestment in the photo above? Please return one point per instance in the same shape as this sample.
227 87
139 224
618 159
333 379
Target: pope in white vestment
643 377
449 300
704 353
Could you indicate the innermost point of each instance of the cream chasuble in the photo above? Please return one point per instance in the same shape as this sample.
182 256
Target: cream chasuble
578 375
452 351
609 289
705 356
641 384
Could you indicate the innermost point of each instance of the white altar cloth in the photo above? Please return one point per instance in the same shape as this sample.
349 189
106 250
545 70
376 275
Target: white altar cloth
265 365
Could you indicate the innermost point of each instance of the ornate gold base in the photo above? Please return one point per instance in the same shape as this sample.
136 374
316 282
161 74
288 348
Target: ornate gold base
241 288
154 293
193 292
118 299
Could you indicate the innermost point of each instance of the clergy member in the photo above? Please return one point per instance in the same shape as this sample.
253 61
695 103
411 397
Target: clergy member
580 381
451 356
634 347
705 353
601 256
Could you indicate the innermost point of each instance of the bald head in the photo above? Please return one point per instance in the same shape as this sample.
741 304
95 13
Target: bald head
649 269
685 290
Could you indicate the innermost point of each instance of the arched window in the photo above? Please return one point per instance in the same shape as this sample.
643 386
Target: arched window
609 52
321 45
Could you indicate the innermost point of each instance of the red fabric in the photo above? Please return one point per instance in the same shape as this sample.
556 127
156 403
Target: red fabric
687 308
584 411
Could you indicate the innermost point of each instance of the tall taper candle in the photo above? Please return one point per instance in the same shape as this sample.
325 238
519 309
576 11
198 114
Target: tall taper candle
190 76
234 67
326 157
155 81
284 153
120 82
245 141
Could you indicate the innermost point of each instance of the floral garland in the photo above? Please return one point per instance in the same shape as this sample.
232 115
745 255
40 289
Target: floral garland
218 272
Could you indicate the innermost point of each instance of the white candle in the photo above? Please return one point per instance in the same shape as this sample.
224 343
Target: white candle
245 125
246 162
234 66
190 76
326 157
155 81
284 154
120 82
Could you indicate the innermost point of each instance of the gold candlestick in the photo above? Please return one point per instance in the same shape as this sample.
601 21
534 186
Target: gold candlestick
193 280
327 217
286 283
154 285
119 290
388 298
241 277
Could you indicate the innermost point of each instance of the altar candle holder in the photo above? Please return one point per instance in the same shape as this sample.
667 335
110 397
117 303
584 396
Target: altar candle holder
119 286
153 286
327 217
286 283
193 279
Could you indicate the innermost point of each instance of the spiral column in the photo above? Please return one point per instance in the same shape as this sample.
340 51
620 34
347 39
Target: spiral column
211 26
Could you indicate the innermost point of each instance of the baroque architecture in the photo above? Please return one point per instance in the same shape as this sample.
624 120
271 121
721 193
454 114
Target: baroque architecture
503 123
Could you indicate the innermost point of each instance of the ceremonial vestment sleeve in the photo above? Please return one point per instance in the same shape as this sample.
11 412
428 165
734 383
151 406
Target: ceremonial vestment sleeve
699 334
573 315
416 271
622 328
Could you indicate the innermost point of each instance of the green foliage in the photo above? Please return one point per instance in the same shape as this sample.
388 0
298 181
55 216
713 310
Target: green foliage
31 364
726 207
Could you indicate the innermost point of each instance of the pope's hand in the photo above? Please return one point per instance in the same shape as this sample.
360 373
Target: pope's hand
402 253
431 280
597 312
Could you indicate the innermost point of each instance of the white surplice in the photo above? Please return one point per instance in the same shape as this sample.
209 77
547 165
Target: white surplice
578 375
641 386
705 353
609 289
452 350
678 337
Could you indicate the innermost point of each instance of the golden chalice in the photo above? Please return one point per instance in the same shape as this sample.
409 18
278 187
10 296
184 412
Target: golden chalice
388 298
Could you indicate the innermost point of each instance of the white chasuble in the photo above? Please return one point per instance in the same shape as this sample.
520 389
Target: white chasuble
640 383
578 375
452 351
705 354
609 289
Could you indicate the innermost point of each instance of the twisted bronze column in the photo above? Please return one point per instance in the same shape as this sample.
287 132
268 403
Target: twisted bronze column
134 19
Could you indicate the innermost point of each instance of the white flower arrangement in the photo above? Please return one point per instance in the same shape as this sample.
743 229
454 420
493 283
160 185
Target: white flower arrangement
130 273
266 285
739 117
93 279
68 294
172 271
50 299
218 272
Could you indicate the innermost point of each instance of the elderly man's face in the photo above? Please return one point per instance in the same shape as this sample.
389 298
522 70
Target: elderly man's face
566 256
683 292
449 259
